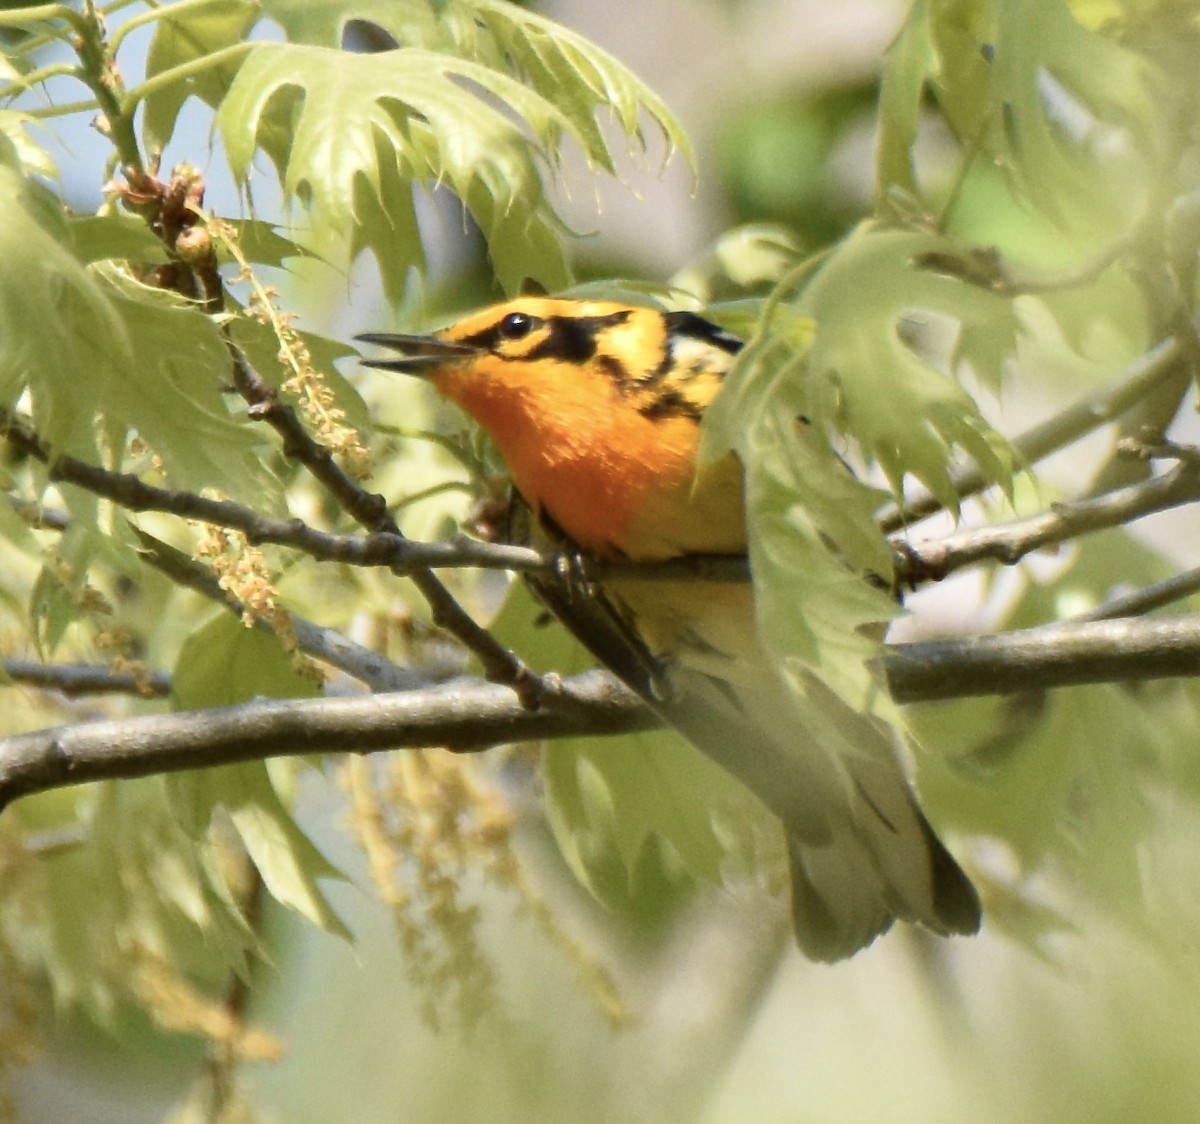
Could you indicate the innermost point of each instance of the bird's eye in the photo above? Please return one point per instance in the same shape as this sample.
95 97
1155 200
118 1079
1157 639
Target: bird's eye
516 325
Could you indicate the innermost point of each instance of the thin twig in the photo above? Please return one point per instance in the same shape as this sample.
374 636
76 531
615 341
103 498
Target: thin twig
1010 542
370 510
325 644
38 516
1100 408
87 679
1145 600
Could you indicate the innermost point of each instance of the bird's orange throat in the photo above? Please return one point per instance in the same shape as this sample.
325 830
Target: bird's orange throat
580 453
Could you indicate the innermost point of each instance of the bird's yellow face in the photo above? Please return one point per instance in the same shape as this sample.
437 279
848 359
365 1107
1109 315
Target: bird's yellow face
595 407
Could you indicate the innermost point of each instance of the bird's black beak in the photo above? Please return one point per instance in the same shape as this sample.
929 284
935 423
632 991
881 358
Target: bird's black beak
423 353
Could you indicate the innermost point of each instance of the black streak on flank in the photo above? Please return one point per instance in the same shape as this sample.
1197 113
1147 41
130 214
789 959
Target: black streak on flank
615 370
671 404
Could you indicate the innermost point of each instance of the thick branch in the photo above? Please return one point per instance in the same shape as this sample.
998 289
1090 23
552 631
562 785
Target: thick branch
1053 655
469 715
465 716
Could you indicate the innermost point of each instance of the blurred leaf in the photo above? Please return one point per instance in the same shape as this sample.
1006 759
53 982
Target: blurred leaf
1068 778
23 153
117 236
871 374
191 36
791 159
909 64
748 257
225 663
611 801
289 862
43 290
621 794
1073 117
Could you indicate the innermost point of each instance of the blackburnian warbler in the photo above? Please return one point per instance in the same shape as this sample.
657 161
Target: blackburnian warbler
595 407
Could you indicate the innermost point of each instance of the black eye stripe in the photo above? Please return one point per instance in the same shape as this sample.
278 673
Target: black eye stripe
573 338
509 328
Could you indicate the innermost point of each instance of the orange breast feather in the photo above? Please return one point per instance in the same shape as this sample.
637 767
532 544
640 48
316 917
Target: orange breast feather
615 481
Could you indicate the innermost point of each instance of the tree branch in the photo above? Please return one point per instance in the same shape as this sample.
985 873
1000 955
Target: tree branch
391 549
1132 386
1052 655
325 644
469 715
370 510
1145 600
87 679
1010 542
464 715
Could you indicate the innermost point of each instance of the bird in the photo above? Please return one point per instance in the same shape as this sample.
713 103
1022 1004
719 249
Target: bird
595 407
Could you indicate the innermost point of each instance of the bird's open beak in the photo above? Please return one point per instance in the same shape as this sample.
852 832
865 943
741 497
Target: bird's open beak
423 353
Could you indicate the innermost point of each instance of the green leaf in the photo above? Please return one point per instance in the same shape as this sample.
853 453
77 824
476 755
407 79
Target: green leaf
872 375
115 237
578 77
1074 118
429 24
807 515
289 862
909 64
225 663
24 154
746 257
187 38
136 887
138 357
262 243
478 98
562 66
171 394
60 334
617 797
346 133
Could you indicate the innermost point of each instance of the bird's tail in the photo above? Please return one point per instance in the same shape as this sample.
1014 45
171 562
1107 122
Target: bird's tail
862 852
